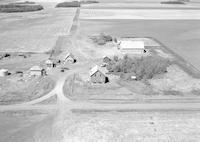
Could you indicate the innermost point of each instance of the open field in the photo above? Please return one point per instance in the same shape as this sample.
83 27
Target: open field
145 14
133 5
20 126
131 127
34 31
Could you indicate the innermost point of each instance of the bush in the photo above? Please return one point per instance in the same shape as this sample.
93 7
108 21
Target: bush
8 8
172 2
142 68
69 4
101 39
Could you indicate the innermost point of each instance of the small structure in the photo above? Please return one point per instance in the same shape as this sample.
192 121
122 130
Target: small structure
106 59
97 76
4 72
37 71
50 63
70 58
134 47
19 73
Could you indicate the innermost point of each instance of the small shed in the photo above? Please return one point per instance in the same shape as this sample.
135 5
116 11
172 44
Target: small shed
4 72
106 59
70 58
97 76
37 71
50 63
135 47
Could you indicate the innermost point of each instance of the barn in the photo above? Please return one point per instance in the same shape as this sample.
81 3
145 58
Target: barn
132 47
37 71
97 76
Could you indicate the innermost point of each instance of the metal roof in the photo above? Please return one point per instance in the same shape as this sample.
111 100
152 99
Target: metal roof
36 68
94 70
128 44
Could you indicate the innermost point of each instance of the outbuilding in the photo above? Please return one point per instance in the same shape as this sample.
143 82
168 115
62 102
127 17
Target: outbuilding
4 72
134 47
97 76
106 59
70 58
50 63
37 71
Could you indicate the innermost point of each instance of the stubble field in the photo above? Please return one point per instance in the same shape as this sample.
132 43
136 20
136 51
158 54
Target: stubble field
34 31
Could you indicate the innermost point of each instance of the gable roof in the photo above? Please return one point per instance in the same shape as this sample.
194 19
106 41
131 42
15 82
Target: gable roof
128 44
106 57
69 55
94 70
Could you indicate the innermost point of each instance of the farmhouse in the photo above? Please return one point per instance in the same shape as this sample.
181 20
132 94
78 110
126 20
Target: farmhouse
37 71
97 76
50 63
134 47
3 72
70 58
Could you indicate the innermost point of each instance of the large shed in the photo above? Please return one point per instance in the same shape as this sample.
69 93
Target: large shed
97 76
134 47
37 71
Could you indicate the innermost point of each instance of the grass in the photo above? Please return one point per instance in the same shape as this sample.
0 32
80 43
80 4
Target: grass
10 8
24 91
69 4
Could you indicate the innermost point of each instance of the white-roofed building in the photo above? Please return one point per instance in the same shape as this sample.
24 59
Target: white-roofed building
132 47
3 72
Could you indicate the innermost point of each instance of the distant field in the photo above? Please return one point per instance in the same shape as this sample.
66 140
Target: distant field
120 5
34 31
139 14
182 36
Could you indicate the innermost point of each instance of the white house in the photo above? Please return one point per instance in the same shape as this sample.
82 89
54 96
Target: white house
132 47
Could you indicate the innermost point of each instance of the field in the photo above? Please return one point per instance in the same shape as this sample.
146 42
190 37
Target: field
144 14
34 31
130 126
139 5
